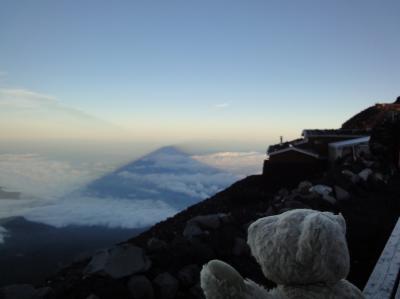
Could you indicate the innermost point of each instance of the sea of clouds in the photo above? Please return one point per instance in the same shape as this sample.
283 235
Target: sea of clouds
47 190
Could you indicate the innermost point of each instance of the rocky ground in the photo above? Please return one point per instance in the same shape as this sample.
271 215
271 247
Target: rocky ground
165 261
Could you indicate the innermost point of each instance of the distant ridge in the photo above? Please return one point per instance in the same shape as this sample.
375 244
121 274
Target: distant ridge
372 116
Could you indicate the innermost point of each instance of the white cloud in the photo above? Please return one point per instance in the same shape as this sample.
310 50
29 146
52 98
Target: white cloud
25 114
87 211
36 176
198 185
222 105
45 184
242 163
110 212
25 99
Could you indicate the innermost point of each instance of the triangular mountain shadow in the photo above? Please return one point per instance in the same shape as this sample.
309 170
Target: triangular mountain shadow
167 174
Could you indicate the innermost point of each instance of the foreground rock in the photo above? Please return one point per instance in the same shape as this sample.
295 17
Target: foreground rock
119 261
199 224
167 286
140 287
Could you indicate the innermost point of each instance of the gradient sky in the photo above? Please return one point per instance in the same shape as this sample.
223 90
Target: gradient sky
192 71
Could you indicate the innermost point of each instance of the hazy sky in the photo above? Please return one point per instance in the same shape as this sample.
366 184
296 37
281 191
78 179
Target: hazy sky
191 71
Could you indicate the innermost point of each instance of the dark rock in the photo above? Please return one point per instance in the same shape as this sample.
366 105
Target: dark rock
18 291
201 251
92 296
368 164
240 247
351 176
155 244
167 285
272 210
197 225
283 192
321 189
304 187
140 287
309 196
329 198
212 221
119 261
364 174
341 194
189 275
378 177
192 230
44 293
294 204
197 292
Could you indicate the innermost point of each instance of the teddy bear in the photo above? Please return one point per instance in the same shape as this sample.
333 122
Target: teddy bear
303 251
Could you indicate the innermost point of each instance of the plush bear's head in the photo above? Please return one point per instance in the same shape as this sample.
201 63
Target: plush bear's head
301 247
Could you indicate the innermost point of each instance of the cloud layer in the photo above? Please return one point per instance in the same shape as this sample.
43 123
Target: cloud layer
110 212
36 176
48 185
166 174
241 163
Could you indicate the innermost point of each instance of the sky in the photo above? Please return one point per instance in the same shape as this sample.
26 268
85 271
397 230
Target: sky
87 86
224 74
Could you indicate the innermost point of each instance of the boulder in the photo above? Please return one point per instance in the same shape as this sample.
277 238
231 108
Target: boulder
341 194
378 177
197 292
197 225
140 287
283 192
321 189
201 251
119 261
189 275
304 187
212 221
92 296
367 163
295 204
351 176
18 291
307 197
155 245
329 199
167 285
192 230
44 293
364 174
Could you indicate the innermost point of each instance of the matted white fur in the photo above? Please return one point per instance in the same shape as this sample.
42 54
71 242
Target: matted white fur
303 251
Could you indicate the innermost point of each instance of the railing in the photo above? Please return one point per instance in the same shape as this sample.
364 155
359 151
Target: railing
384 280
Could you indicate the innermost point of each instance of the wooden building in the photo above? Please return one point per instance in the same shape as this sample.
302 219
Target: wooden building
315 150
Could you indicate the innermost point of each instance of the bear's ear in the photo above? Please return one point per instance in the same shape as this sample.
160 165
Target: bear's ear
322 246
258 233
339 219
